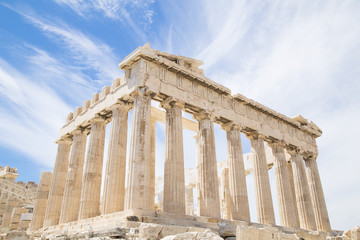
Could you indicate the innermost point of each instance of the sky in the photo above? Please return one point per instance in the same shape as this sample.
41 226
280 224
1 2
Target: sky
296 57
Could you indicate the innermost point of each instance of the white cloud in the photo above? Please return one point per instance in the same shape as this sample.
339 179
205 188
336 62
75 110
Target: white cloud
27 122
298 58
88 52
137 14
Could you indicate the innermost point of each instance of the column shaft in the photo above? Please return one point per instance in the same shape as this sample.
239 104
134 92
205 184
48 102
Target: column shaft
139 184
15 217
225 198
72 192
114 188
209 203
291 177
42 195
239 204
189 200
53 207
174 179
303 201
3 199
11 203
317 196
264 203
91 185
283 187
152 165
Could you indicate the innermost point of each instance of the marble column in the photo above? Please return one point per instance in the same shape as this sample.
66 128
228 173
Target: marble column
225 194
292 184
15 217
317 195
56 193
189 196
152 165
91 183
209 203
3 199
139 182
283 186
114 187
42 195
239 203
11 203
303 201
72 192
264 203
174 176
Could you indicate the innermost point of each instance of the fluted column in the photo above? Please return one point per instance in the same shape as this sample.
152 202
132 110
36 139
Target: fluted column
91 184
139 182
264 203
209 203
303 201
283 186
11 203
225 194
42 195
72 192
53 207
15 217
292 184
152 164
239 203
3 199
174 176
189 196
114 187
317 195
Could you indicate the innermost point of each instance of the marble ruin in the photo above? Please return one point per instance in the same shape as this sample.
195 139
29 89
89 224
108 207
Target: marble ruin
70 204
16 201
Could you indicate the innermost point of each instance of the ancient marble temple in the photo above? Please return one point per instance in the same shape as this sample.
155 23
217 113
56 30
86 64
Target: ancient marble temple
72 197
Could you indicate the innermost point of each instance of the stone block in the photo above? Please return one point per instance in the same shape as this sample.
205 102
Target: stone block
195 236
284 236
149 231
16 235
253 233
172 230
228 230
307 235
355 233
196 229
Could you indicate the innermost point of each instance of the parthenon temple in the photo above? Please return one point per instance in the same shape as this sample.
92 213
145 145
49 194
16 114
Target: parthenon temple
71 200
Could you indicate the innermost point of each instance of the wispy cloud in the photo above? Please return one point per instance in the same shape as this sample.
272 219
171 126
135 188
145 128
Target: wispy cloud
298 58
137 14
88 52
27 122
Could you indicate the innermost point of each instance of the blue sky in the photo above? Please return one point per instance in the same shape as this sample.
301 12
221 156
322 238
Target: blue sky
297 57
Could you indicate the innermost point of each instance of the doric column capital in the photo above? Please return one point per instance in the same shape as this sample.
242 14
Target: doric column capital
140 91
171 102
121 105
204 115
80 131
64 140
274 143
292 150
97 119
309 156
231 126
255 135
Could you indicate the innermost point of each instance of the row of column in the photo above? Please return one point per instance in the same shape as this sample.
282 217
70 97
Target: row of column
11 212
76 195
